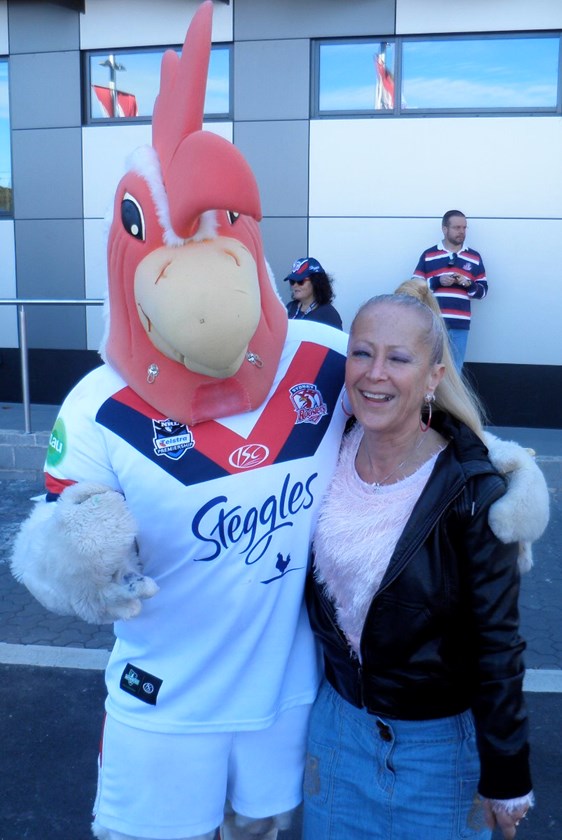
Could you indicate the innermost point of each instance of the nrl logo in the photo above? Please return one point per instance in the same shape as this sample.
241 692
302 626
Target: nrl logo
308 403
171 439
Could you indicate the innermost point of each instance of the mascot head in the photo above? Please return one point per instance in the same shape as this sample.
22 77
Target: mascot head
196 328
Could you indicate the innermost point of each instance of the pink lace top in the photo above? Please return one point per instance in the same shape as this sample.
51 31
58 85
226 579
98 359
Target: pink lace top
356 534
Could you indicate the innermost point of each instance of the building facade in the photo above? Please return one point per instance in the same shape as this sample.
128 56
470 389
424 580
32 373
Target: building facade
360 136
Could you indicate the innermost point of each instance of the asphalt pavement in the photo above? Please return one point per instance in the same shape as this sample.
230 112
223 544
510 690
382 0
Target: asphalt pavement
52 688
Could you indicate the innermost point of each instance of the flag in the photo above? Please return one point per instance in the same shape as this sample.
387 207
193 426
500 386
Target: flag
126 102
384 92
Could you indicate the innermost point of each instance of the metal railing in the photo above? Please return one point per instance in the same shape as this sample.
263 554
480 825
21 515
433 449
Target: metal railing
21 303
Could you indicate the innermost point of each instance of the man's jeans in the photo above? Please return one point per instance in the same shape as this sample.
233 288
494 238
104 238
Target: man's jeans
458 340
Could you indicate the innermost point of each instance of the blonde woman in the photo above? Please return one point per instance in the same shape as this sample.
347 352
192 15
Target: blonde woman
419 730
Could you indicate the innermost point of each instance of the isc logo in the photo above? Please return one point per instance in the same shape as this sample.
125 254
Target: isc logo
248 456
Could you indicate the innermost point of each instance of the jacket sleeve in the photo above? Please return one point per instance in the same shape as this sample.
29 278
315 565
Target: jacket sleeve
498 705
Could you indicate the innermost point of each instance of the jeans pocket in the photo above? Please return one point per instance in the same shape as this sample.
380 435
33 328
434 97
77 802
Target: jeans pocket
471 815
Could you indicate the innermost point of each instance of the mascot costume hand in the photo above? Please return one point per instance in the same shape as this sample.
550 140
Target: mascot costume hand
183 481
79 557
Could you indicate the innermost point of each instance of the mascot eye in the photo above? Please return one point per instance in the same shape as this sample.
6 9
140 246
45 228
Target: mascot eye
232 216
132 217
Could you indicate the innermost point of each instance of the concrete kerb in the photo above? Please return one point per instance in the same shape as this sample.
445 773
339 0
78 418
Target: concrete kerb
51 656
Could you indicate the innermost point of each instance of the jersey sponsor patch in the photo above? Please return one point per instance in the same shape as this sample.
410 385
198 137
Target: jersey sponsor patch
140 684
57 443
249 456
171 439
308 403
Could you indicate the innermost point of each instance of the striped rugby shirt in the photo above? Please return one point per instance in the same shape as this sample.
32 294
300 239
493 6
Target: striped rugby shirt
454 301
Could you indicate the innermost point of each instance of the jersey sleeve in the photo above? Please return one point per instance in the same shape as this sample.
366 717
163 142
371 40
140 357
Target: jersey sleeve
77 448
420 270
479 288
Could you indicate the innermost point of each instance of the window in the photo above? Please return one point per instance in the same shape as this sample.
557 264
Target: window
356 76
454 74
5 145
478 74
123 85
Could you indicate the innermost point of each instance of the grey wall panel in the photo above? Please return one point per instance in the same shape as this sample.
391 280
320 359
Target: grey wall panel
47 171
42 27
284 241
255 19
45 90
272 80
50 264
278 154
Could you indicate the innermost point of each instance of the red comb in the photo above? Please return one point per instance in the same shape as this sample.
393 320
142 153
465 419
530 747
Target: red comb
179 106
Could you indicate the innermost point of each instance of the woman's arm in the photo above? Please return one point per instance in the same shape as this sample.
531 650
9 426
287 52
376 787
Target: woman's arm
492 583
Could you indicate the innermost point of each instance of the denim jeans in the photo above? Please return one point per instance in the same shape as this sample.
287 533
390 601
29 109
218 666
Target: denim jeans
458 340
369 778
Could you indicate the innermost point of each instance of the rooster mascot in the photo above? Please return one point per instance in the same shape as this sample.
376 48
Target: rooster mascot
183 478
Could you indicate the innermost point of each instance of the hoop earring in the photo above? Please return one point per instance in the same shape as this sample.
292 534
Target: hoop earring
428 409
342 403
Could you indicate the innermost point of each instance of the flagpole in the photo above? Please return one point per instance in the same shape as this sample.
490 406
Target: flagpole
113 68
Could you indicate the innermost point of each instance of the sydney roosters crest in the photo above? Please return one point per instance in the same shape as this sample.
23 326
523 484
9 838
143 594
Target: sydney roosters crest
308 403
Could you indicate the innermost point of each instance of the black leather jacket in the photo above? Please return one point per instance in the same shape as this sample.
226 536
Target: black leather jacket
441 634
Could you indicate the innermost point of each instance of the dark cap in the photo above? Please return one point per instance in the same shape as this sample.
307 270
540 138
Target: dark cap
303 268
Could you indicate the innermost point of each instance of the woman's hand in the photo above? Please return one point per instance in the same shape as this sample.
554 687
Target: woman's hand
506 820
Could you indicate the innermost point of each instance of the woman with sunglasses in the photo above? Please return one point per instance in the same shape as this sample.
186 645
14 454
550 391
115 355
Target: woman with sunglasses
312 293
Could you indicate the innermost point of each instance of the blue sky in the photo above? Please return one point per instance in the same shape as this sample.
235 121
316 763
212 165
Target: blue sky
466 73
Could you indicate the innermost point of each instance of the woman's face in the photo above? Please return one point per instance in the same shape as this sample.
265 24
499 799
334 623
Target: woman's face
388 370
303 292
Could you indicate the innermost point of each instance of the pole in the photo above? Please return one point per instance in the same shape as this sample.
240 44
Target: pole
24 370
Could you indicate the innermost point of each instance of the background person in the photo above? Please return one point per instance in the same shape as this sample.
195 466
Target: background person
312 293
456 275
419 730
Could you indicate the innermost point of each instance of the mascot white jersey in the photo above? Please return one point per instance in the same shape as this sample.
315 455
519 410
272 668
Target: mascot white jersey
224 512
183 480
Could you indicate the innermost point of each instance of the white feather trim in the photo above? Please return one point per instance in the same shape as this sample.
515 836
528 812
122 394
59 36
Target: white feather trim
521 515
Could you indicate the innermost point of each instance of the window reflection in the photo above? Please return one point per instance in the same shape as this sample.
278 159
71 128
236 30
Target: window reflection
357 76
125 84
499 72
477 74
5 145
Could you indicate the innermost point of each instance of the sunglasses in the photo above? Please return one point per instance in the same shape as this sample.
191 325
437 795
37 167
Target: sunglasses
298 282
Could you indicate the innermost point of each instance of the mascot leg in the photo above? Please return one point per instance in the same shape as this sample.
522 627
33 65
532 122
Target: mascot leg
238 827
107 834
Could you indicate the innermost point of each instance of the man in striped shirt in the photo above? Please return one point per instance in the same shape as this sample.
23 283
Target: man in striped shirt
456 275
